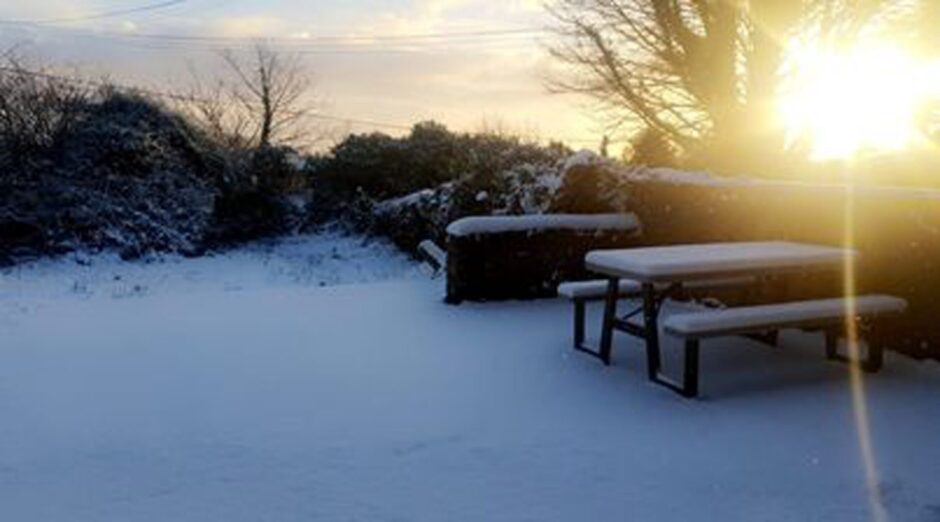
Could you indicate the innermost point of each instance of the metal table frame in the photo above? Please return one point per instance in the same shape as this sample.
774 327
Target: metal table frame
649 331
651 306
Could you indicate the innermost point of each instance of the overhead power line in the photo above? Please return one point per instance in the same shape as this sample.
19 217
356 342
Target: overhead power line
301 47
98 16
312 115
496 35
407 43
456 35
338 39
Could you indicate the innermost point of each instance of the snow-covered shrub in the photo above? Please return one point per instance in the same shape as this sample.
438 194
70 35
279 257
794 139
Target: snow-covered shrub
580 183
410 219
523 189
255 201
592 184
127 175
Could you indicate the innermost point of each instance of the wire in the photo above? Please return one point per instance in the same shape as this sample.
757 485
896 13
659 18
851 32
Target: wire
316 116
98 16
300 47
343 39
411 38
414 43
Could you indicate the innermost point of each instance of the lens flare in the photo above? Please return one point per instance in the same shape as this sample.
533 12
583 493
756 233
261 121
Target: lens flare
862 99
856 376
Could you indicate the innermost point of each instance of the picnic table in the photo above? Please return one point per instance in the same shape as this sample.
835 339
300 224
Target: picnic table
661 271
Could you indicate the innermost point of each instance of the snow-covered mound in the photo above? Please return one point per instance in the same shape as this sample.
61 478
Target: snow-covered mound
328 258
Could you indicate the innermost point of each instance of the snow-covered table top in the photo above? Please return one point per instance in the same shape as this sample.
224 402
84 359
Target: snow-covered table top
704 261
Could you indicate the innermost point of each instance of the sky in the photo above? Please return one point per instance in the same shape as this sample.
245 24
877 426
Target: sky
373 61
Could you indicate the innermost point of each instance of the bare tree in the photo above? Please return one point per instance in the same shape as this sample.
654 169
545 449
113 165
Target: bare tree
702 73
268 98
226 121
271 87
37 108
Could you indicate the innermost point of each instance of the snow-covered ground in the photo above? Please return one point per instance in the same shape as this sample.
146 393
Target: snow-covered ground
331 257
245 391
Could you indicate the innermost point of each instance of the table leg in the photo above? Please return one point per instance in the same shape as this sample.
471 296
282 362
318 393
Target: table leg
651 326
610 315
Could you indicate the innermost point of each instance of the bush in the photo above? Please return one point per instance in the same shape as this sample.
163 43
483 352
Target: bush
583 183
255 202
383 167
84 168
247 213
125 174
591 185
652 148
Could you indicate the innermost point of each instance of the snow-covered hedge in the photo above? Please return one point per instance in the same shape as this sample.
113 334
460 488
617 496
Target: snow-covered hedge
896 231
581 183
491 225
523 189
524 257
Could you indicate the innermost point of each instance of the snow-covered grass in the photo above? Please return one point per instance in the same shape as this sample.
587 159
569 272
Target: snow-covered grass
331 257
376 401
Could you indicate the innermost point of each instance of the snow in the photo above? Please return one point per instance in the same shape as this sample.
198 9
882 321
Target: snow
289 401
706 179
598 288
329 258
685 262
533 223
668 175
582 158
748 318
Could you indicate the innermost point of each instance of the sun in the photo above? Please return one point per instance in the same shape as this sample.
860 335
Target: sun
862 99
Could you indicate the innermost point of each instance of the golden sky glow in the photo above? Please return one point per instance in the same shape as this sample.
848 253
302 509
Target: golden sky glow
864 99
466 83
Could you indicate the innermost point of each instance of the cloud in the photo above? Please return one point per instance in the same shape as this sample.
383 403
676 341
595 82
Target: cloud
45 10
250 26
457 82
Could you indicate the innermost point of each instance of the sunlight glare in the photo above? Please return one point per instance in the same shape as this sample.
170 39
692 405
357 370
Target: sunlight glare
866 98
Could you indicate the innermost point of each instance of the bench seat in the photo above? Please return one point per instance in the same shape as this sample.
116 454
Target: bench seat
582 292
801 314
827 315
595 290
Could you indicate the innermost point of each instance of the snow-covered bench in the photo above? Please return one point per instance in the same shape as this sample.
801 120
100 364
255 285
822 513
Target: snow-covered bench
582 292
434 255
827 315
